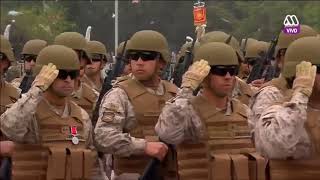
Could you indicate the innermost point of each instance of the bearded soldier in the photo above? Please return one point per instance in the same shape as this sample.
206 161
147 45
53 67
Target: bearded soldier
84 95
93 76
29 55
129 112
210 130
56 134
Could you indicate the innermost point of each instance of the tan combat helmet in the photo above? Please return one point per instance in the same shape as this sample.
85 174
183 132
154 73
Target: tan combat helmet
121 46
219 36
286 39
72 40
96 47
61 56
217 53
6 48
303 49
33 47
256 49
148 40
245 43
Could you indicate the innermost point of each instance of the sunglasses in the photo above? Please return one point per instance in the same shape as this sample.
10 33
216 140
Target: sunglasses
143 55
223 70
2 56
28 57
63 74
98 57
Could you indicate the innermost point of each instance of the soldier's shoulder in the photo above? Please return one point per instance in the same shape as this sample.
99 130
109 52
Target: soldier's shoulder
12 91
89 92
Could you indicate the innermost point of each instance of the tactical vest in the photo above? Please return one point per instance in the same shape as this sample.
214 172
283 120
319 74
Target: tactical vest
219 154
87 100
8 95
55 157
147 108
245 90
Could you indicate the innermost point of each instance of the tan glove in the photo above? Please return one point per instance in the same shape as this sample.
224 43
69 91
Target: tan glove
195 74
46 76
305 76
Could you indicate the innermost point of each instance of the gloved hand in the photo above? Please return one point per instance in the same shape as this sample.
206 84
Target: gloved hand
195 74
46 76
305 76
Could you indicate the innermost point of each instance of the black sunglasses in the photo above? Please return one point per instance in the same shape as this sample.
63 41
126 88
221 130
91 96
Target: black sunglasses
63 74
98 57
144 55
28 57
223 70
2 56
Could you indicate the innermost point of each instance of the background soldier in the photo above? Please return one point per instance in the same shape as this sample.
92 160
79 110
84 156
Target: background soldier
211 123
93 75
84 95
46 119
129 112
29 55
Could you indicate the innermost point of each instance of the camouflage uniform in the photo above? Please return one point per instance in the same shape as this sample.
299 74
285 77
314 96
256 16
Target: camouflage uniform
242 91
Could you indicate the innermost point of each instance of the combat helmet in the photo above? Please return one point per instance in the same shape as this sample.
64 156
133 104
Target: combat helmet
73 40
149 40
285 40
96 48
217 53
303 49
219 36
33 47
61 56
6 48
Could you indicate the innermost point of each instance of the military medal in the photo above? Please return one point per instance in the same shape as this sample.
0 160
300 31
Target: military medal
74 133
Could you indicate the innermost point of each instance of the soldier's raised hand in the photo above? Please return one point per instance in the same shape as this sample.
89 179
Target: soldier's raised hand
46 76
156 149
195 74
305 77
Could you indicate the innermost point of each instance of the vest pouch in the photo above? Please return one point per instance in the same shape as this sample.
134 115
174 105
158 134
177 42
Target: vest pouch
76 158
220 165
257 166
240 167
56 163
295 169
90 158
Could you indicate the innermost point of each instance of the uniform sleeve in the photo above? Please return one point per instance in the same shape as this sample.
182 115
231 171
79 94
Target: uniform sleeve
262 101
88 131
280 131
113 117
178 120
18 123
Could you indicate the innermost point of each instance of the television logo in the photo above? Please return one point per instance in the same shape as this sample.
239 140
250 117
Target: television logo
291 25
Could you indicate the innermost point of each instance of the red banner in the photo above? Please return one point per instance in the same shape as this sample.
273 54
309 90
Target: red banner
199 16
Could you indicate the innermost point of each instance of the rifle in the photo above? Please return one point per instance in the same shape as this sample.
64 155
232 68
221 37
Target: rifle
107 82
5 168
26 83
263 69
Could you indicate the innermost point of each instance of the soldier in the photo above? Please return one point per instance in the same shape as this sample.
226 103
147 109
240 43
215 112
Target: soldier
242 90
211 125
127 68
271 92
93 76
52 128
129 112
84 95
29 55
287 128
285 40
8 93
